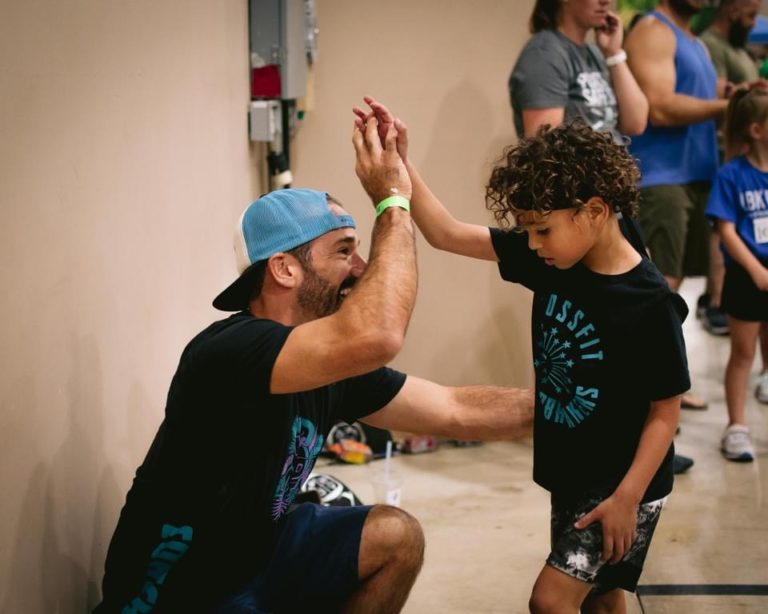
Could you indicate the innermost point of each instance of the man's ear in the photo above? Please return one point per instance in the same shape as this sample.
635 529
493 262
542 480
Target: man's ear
284 269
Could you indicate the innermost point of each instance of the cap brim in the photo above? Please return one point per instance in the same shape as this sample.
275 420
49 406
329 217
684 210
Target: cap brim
237 295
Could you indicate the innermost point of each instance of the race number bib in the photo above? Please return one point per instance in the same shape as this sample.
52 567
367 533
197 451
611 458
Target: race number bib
761 229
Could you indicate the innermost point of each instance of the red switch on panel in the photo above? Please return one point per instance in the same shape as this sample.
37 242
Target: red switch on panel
265 82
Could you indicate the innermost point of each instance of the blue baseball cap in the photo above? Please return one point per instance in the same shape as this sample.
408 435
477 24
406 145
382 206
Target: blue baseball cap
277 222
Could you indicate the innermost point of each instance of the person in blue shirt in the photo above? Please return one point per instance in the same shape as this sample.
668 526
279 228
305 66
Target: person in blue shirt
739 206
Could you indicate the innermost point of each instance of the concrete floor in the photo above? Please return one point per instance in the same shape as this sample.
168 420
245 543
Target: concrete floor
486 523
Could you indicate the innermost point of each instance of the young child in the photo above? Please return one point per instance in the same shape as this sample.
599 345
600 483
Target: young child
739 205
608 349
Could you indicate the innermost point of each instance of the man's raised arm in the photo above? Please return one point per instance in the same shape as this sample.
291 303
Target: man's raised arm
368 329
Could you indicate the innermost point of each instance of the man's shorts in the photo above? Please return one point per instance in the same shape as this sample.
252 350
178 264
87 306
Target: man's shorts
741 298
576 552
675 229
314 565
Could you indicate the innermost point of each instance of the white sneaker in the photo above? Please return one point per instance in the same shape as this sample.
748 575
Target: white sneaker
761 390
736 444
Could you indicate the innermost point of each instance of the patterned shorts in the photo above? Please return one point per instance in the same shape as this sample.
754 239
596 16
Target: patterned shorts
576 552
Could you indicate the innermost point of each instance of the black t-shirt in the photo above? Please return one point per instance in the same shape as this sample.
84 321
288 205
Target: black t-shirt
604 347
227 461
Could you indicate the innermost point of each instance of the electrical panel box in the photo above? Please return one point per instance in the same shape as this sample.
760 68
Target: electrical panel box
278 32
265 120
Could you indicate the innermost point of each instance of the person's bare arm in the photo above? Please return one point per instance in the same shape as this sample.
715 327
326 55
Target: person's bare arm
632 103
618 513
469 412
436 223
651 55
533 119
368 330
741 254
444 231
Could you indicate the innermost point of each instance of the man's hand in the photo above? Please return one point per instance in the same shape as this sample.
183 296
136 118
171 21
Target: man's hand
732 88
618 515
378 166
760 84
385 119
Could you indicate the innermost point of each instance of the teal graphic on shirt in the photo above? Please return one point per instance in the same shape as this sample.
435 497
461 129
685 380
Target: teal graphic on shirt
175 542
565 339
303 447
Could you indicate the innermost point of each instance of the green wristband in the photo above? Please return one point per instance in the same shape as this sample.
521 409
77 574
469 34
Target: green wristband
393 201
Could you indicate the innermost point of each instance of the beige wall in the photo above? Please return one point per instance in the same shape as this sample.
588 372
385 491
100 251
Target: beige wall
443 67
124 162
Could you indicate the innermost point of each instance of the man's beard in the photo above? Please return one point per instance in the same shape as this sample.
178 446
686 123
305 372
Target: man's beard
683 8
738 35
319 298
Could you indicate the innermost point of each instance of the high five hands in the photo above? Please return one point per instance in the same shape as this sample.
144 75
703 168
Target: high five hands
379 149
385 119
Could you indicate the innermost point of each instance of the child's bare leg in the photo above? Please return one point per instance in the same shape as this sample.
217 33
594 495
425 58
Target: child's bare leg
611 602
557 593
743 341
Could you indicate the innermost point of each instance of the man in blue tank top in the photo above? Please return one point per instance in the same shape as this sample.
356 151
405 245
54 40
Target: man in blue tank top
677 153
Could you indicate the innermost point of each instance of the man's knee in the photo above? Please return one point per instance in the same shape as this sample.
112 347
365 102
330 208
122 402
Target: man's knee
393 533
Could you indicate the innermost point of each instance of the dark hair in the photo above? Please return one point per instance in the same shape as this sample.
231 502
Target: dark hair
562 168
257 271
745 108
544 16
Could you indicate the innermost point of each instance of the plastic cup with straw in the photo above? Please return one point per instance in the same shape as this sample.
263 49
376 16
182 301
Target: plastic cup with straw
386 483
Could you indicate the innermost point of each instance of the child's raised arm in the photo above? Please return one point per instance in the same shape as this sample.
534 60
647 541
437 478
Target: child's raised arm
435 222
441 229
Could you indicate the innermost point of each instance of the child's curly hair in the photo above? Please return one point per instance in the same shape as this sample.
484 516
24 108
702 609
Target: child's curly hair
562 168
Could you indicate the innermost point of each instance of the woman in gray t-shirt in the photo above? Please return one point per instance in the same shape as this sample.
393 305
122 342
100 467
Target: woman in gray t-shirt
560 76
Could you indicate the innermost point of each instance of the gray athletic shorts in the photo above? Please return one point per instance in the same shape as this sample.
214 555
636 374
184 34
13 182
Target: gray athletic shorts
576 552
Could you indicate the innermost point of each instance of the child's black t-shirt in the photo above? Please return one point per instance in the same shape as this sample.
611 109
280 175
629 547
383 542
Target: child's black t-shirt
604 347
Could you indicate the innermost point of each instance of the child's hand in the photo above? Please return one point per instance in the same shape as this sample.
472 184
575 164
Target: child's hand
618 516
761 279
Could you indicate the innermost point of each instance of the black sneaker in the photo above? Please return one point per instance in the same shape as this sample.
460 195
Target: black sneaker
330 491
681 464
701 305
714 321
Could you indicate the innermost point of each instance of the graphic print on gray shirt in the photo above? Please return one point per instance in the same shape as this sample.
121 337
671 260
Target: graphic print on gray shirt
554 72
